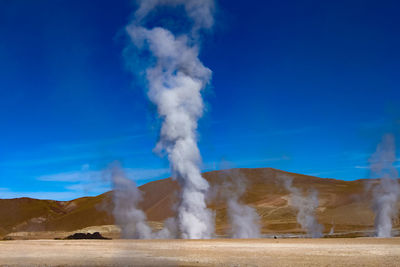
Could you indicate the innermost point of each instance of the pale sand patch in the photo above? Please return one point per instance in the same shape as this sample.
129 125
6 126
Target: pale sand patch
217 252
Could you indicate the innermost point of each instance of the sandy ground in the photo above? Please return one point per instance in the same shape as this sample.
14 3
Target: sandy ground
217 252
110 231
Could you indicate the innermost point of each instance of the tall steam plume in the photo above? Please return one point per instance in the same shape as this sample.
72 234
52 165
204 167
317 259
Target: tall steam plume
305 206
386 193
175 81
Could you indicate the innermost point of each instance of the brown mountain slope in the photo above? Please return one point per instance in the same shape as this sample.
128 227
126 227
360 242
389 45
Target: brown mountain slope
342 204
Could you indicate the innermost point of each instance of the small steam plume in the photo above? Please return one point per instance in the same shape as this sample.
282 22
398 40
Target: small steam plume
128 216
386 193
244 220
305 206
175 80
131 219
332 230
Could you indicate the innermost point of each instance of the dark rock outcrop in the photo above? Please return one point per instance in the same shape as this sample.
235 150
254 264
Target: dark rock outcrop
95 235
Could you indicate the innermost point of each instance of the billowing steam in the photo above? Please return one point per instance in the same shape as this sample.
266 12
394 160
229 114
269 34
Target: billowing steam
128 216
243 219
131 219
386 193
305 206
175 81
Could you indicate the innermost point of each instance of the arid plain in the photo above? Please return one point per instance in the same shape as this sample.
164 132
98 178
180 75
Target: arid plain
217 252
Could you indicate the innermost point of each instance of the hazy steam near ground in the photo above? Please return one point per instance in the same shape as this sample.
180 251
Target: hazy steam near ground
131 219
244 220
128 216
386 192
175 80
305 206
332 230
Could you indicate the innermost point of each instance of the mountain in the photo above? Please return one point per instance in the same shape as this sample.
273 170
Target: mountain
343 205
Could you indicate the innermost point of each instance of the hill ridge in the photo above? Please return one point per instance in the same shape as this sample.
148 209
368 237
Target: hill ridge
343 204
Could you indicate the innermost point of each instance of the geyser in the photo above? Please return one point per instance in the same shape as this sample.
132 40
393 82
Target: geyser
128 216
386 192
175 78
244 220
305 206
126 197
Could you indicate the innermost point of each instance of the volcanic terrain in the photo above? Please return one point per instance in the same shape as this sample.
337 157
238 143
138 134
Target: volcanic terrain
344 207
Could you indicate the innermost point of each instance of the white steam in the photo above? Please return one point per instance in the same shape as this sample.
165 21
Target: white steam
175 82
128 216
131 219
386 192
244 220
305 206
332 230
200 11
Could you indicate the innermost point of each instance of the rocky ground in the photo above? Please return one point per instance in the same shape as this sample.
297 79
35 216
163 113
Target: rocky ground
216 252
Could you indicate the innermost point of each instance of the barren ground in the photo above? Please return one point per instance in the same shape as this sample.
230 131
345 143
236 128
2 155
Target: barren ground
217 252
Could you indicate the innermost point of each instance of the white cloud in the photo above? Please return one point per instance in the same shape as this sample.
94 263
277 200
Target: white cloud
84 182
94 182
85 175
362 167
75 176
397 165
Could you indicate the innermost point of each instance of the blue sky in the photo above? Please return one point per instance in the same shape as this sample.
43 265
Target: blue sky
303 86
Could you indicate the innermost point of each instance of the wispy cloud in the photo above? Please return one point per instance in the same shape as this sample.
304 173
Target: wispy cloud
362 167
62 153
6 193
395 164
84 182
103 175
93 182
55 159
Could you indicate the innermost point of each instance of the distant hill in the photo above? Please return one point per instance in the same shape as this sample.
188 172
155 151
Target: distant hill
343 205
